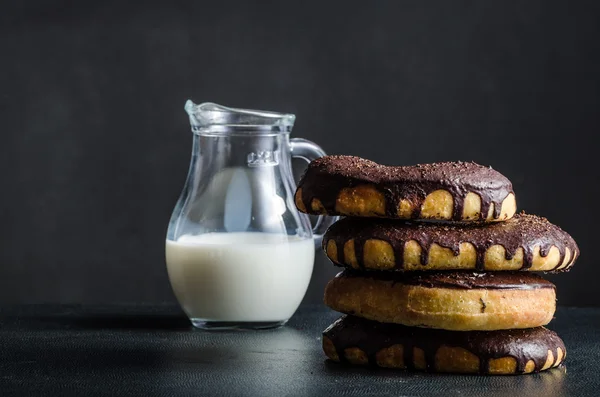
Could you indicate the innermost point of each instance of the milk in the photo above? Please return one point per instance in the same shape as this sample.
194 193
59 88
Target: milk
239 277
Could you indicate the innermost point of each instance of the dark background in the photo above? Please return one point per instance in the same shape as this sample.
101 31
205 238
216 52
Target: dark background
95 143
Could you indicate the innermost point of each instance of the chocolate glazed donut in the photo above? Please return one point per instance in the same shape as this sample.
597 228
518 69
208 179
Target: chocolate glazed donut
533 349
454 191
517 244
449 300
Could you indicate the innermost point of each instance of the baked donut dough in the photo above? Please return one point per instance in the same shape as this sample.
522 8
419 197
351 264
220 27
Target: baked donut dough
358 341
456 301
452 191
525 242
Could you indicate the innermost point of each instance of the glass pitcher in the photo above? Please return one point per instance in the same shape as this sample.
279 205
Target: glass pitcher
238 252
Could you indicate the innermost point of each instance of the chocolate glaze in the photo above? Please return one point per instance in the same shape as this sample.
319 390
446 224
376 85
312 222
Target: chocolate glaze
460 279
523 231
371 336
327 176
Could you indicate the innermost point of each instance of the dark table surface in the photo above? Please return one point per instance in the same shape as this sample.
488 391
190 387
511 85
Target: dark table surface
153 351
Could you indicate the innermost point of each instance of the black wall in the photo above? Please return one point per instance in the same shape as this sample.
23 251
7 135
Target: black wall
95 143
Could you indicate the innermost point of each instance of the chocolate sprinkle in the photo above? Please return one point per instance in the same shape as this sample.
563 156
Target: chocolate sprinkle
459 279
371 336
523 231
327 176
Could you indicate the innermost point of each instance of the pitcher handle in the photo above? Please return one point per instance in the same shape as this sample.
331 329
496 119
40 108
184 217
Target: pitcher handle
309 151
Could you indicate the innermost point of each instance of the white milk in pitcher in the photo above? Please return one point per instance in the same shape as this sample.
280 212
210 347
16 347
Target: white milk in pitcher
240 277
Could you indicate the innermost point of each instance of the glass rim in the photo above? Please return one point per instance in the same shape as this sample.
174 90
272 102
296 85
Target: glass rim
211 118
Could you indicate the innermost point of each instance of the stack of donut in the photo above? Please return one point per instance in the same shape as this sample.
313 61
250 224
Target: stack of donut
439 268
